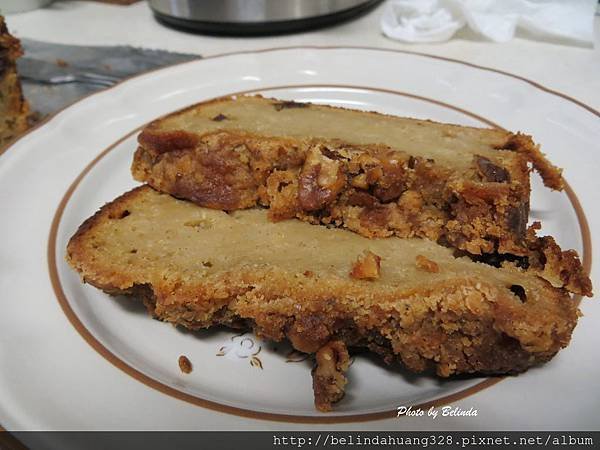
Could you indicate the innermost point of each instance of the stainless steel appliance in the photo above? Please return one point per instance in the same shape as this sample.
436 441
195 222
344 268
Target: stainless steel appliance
256 17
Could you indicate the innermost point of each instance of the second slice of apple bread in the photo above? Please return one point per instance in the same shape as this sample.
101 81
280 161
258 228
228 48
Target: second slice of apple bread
374 174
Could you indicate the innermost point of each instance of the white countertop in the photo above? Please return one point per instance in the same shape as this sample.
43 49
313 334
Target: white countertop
574 71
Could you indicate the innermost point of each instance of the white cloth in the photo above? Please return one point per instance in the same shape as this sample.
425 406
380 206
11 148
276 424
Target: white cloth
571 21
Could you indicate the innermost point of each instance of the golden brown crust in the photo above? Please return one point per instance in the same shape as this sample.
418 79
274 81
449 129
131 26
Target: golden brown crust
167 141
560 268
551 175
14 110
464 324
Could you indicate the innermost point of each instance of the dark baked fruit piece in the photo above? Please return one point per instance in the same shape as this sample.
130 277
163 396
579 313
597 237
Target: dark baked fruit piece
378 175
199 267
13 108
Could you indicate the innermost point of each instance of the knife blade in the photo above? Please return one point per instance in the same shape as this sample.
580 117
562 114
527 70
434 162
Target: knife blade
51 73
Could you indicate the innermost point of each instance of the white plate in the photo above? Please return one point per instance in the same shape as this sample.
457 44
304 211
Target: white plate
123 374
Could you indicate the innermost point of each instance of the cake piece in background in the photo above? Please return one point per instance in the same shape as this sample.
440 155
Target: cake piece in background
14 110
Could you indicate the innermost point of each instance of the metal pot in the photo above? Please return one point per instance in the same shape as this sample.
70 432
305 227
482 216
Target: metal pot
255 17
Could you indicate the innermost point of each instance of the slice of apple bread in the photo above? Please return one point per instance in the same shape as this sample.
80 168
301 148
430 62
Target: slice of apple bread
420 305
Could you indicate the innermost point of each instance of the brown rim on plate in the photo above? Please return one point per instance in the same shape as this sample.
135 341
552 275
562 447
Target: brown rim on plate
151 382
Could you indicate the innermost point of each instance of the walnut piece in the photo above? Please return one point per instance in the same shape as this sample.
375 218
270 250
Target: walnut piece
367 267
309 332
426 264
332 361
185 365
360 181
321 180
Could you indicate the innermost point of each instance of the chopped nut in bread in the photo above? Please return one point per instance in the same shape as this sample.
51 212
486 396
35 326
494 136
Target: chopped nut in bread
426 264
366 267
331 363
